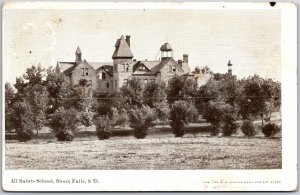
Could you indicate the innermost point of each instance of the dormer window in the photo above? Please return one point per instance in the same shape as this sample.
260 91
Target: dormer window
86 71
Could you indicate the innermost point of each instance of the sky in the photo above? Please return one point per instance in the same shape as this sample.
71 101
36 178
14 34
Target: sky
251 39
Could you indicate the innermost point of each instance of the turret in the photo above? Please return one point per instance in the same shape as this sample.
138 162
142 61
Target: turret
78 55
229 68
166 51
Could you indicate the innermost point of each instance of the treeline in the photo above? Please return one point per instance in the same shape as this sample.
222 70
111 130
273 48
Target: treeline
45 98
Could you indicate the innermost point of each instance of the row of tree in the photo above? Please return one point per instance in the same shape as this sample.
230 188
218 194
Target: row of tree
45 98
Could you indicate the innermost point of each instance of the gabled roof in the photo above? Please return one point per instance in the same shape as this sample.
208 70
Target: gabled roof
107 68
122 49
155 66
68 67
165 62
97 65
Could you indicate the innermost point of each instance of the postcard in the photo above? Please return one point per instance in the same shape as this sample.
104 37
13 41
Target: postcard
153 96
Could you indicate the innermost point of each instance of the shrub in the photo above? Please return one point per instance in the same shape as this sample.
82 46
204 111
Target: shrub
229 116
270 129
230 128
141 119
25 132
86 118
248 128
119 117
181 114
64 123
222 116
103 126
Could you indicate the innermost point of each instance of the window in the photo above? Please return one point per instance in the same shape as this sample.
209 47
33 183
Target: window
107 85
84 72
125 82
90 83
174 69
124 68
127 67
170 68
116 84
100 75
142 68
103 75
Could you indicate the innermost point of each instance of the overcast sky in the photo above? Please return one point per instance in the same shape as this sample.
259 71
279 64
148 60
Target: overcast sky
249 38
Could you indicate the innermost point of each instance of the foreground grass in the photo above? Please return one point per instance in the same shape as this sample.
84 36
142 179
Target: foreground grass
154 152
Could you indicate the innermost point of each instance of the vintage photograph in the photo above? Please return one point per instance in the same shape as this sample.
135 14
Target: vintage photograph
142 89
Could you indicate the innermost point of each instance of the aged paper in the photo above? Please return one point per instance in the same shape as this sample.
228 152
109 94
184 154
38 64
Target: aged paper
100 133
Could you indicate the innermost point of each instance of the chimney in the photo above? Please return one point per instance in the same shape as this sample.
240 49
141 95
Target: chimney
180 62
185 58
128 40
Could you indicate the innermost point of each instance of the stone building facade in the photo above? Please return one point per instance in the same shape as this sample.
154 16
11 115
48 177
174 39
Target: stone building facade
110 76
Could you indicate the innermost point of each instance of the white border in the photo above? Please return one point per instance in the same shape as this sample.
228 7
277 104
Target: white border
184 180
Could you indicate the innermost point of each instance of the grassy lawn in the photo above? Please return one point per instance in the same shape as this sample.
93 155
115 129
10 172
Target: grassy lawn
163 152
159 150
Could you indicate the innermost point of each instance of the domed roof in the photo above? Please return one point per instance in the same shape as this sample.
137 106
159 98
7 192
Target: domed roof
166 47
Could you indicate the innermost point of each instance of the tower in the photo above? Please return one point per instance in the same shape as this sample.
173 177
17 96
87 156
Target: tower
166 51
122 51
122 62
229 68
78 55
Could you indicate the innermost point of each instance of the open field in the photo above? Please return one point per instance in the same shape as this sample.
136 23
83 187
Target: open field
151 153
159 150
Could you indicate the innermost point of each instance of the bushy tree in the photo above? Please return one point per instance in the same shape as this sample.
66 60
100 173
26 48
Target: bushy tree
155 97
181 87
78 99
23 120
103 127
37 98
222 116
64 123
132 93
229 118
248 128
141 119
58 86
205 70
258 96
270 129
181 114
9 112
31 90
34 75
